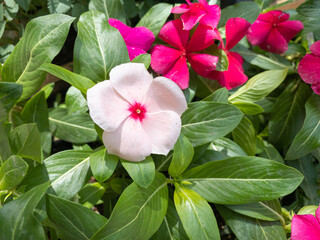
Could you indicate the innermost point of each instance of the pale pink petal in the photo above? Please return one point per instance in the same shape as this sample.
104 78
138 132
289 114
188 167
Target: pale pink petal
172 33
202 64
192 17
163 58
289 29
275 42
163 129
236 29
134 52
202 38
163 95
106 107
305 227
212 17
129 141
316 88
315 48
140 37
123 29
258 32
179 73
131 81
180 9
309 69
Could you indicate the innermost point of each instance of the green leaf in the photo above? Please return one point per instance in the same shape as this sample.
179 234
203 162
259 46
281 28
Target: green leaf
98 47
25 141
9 95
103 165
143 58
5 149
90 194
67 171
41 42
247 10
78 81
59 6
309 8
16 217
142 173
76 127
182 156
259 86
288 113
270 152
249 228
220 95
75 101
24 4
71 220
204 122
245 136
248 108
139 212
196 214
307 138
111 8
239 180
156 17
12 172
223 63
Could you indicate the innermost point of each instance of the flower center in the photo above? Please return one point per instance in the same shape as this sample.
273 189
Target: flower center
138 111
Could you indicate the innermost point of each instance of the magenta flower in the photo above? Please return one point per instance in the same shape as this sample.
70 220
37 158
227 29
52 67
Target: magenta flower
138 39
198 12
306 227
172 62
236 29
139 115
309 67
272 31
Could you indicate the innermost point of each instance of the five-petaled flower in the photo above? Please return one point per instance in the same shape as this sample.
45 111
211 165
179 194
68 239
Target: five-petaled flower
172 62
139 115
138 39
272 31
306 227
198 12
309 67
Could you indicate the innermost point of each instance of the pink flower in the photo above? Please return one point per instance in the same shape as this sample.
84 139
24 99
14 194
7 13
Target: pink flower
272 31
236 29
138 39
198 12
309 67
172 62
139 115
305 227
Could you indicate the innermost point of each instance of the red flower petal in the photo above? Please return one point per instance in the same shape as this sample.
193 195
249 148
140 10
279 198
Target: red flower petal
212 17
275 42
309 69
315 48
140 37
289 29
180 9
122 28
192 17
134 52
202 64
316 88
179 73
236 29
202 38
305 227
258 32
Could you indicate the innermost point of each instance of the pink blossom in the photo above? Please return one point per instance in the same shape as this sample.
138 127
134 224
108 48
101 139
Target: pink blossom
198 12
138 39
309 67
272 31
306 227
236 29
172 62
139 115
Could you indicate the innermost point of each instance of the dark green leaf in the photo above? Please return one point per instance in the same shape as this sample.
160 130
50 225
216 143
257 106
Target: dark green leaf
270 152
24 4
5 149
90 194
248 108
245 136
75 101
310 8
59 6
9 95
111 8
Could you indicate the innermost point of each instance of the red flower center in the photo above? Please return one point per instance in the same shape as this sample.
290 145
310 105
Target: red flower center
138 111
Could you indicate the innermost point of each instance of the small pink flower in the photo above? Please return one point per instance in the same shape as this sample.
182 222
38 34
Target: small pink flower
198 12
172 62
272 31
309 67
139 115
236 29
306 227
138 39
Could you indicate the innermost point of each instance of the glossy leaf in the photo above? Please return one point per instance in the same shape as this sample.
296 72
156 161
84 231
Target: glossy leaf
248 108
245 136
90 194
5 149
143 58
204 122
9 95
240 180
309 8
111 8
220 95
270 152
42 41
75 101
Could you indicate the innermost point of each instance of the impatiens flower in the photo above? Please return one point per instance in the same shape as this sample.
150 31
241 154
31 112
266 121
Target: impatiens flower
198 12
236 29
309 67
172 62
306 227
139 115
138 39
272 31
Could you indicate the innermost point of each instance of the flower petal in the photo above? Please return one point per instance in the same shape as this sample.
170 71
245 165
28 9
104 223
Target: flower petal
316 88
179 73
202 64
180 9
309 69
318 214
123 29
106 107
134 52
258 32
131 81
305 227
275 42
164 94
172 33
236 29
192 17
212 17
289 29
129 141
315 48
163 130
202 38
140 37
